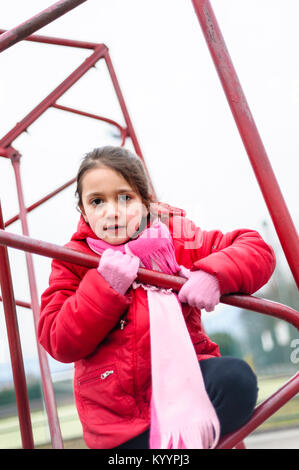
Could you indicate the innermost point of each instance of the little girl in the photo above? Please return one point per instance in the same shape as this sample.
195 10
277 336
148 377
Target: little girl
146 374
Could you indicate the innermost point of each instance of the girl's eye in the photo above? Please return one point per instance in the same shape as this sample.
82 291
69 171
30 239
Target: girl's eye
96 201
123 197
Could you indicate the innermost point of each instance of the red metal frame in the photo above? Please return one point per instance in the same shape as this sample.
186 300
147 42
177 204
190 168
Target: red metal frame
263 306
258 159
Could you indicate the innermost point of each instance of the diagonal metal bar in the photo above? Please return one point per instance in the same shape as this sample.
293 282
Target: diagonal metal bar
7 140
20 303
262 412
43 18
122 130
58 41
259 160
41 201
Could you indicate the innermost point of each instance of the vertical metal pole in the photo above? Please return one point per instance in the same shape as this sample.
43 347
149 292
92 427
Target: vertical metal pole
15 347
47 384
259 160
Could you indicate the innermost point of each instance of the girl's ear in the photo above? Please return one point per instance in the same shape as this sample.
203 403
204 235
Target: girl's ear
81 209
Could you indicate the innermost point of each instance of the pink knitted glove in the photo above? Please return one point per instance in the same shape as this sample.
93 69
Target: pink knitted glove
118 269
201 290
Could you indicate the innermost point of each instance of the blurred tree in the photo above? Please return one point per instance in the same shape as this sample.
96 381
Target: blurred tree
228 344
269 339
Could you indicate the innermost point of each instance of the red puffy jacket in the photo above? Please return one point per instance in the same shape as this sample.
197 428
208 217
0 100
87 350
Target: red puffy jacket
83 320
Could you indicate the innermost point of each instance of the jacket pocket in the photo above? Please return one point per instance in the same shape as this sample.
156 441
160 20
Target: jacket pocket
102 397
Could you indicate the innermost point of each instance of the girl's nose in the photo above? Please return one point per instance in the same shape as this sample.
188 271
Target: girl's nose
111 209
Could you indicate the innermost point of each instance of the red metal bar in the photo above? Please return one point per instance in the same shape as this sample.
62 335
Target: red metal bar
254 303
20 303
41 201
5 152
47 386
259 160
15 347
262 412
7 140
130 130
146 276
50 250
123 132
59 41
240 445
36 22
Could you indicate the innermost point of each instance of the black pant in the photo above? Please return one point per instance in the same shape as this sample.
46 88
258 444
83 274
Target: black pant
232 388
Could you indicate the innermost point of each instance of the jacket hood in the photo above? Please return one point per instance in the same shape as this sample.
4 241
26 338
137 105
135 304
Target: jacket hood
158 209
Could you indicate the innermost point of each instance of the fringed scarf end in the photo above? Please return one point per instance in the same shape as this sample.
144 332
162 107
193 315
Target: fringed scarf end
193 436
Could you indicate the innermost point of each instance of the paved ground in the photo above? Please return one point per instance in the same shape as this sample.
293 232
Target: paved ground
288 439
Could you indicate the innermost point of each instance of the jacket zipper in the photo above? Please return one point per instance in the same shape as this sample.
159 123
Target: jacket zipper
106 374
102 377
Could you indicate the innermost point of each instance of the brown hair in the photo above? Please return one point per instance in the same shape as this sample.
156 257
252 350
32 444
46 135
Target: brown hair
120 160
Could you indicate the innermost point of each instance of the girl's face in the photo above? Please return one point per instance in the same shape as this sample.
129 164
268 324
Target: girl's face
111 207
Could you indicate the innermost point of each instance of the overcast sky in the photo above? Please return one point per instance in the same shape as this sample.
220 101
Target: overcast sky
187 134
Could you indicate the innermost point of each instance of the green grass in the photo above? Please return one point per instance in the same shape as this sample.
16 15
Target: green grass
69 423
285 417
288 415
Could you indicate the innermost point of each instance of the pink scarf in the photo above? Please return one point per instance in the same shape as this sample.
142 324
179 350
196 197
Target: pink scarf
182 416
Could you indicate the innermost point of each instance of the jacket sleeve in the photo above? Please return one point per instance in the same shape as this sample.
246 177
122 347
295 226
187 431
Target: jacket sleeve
77 313
241 260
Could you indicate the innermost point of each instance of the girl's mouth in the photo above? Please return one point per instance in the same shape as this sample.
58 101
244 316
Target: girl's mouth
115 228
